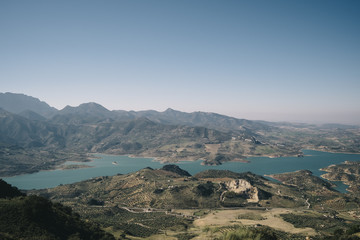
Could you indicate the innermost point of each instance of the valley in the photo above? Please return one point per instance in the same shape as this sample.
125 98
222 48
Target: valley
32 141
169 201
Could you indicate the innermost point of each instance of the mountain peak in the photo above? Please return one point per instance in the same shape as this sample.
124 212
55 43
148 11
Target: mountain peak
171 110
90 108
91 104
18 102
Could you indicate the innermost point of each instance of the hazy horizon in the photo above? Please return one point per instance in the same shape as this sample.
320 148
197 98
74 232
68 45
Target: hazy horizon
162 110
292 61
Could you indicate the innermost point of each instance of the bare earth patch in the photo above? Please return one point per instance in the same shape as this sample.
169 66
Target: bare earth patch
212 148
271 218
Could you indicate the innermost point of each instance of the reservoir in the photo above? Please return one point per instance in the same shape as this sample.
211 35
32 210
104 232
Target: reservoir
109 165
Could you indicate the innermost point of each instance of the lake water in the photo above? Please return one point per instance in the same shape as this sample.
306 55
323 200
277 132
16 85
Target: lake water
103 166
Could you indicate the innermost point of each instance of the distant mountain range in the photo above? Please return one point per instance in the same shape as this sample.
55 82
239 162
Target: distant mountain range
34 128
35 136
34 109
38 131
18 103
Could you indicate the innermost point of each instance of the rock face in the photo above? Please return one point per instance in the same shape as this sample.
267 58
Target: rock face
238 185
241 187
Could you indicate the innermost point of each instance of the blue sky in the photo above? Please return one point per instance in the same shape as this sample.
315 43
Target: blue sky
270 60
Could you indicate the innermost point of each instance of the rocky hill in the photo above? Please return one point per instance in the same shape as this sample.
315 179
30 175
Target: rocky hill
165 188
149 201
348 173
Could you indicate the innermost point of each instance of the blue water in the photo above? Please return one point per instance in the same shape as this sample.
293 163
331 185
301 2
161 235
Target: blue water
100 166
103 166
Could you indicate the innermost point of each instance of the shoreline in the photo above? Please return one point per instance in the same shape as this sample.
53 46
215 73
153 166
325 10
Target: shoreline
92 156
322 150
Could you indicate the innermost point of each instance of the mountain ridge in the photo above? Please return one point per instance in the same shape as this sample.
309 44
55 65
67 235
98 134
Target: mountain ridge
18 102
21 102
168 136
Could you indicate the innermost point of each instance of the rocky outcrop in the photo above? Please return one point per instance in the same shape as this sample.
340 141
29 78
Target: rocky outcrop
242 188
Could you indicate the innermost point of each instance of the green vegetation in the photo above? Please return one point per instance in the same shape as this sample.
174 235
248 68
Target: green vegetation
349 173
243 234
325 223
201 213
8 191
304 180
329 225
212 173
74 166
251 216
136 223
238 232
185 236
33 217
175 169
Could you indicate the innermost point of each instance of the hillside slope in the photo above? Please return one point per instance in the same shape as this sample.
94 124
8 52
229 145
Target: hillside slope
33 217
150 201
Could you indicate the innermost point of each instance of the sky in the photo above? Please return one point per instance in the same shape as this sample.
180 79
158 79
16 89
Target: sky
274 60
